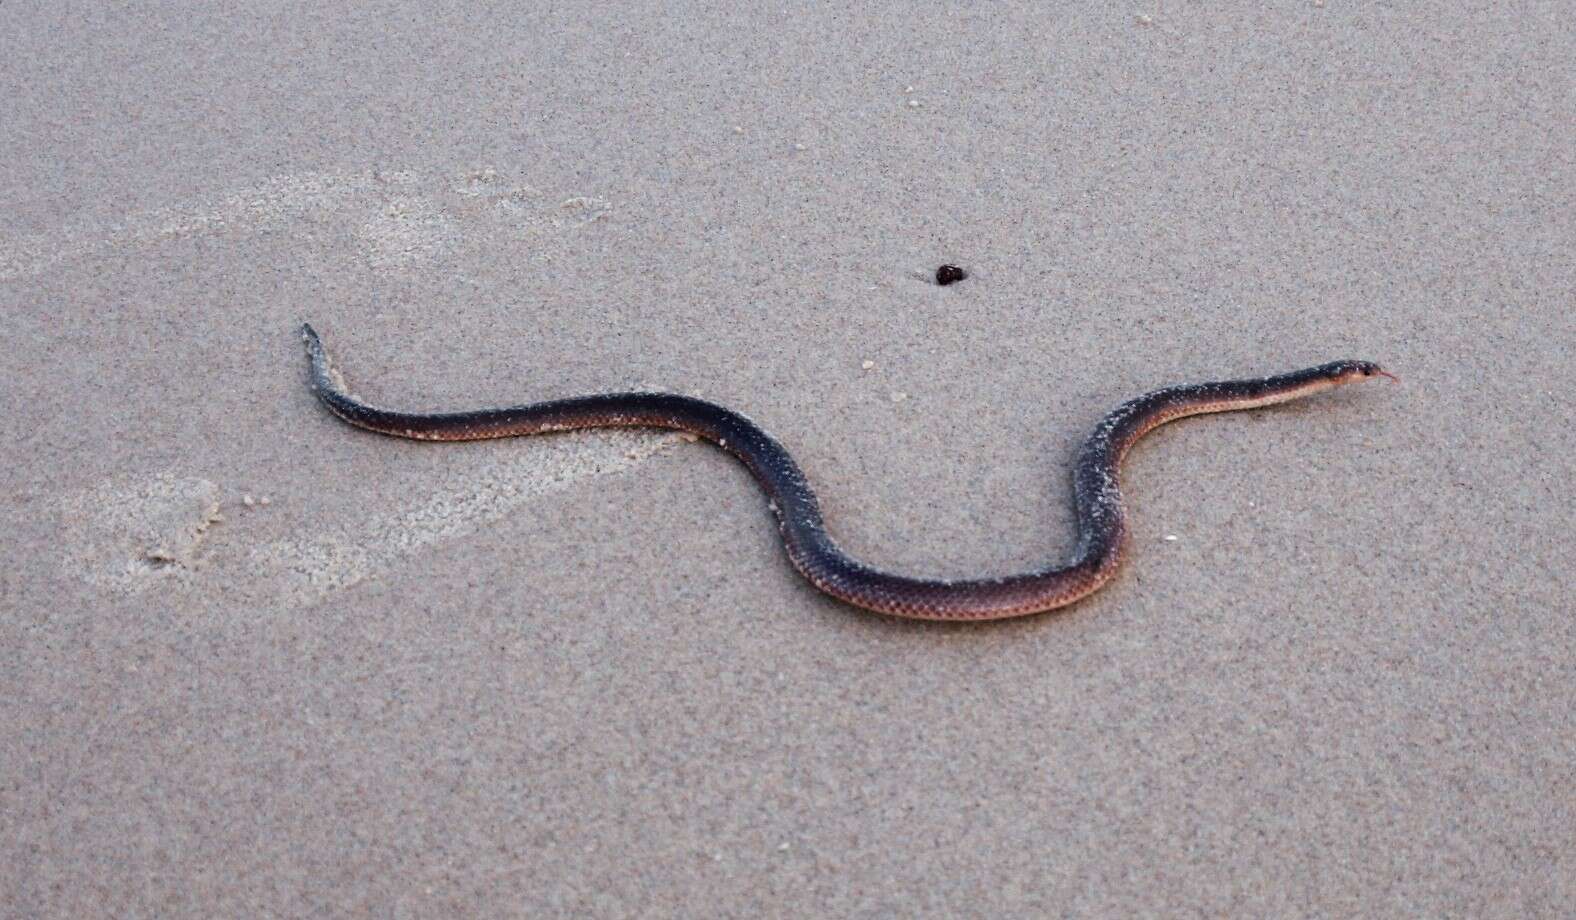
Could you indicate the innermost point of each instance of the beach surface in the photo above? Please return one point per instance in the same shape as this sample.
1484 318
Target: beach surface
258 663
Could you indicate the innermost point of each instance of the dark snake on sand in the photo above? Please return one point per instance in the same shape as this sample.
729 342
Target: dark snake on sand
1097 496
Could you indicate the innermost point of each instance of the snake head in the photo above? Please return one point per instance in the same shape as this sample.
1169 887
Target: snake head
1354 371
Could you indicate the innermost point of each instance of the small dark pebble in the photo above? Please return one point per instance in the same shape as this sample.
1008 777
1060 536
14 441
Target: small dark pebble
950 274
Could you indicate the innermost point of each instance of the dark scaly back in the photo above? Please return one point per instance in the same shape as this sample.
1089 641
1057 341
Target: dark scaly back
1096 486
1097 493
793 501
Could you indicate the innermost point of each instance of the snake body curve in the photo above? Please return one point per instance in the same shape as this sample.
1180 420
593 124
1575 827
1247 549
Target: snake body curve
1097 493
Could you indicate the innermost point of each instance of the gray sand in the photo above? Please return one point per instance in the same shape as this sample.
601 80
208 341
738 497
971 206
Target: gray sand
258 664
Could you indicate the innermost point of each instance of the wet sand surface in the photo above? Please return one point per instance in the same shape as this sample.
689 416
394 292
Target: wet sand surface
259 664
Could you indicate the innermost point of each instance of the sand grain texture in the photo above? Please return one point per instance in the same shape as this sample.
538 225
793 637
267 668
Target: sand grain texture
574 676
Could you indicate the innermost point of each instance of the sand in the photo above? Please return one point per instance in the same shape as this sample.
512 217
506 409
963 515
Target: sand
258 664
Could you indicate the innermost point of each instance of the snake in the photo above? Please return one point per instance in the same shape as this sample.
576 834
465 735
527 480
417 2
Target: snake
1097 495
